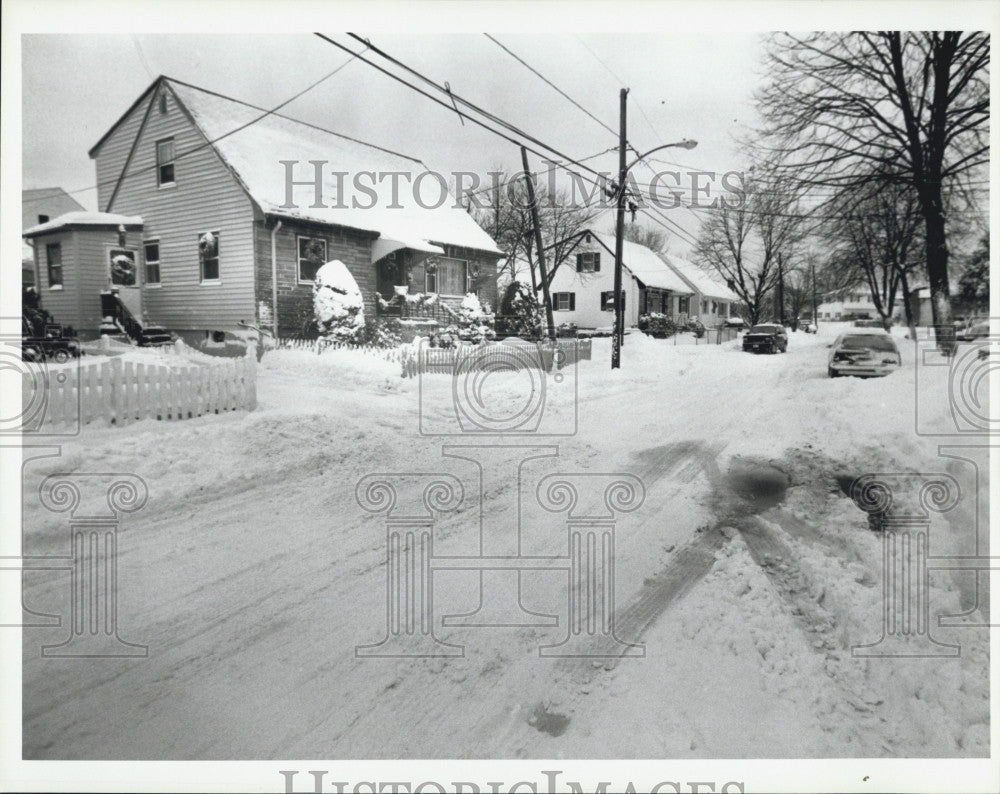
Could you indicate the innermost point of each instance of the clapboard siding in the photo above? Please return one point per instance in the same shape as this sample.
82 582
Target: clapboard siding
60 303
111 156
92 247
205 197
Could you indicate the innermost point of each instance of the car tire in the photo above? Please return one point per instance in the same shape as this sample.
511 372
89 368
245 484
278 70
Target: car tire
832 372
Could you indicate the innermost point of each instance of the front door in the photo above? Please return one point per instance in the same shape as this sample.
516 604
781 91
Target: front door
123 276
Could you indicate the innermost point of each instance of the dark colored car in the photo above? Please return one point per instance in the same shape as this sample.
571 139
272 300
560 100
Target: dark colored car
54 344
766 338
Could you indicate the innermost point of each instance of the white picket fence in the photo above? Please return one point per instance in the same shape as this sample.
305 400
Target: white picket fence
119 392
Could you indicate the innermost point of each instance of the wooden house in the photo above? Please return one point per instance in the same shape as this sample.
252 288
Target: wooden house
240 206
582 288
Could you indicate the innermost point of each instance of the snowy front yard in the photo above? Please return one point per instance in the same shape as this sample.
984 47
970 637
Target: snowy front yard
252 574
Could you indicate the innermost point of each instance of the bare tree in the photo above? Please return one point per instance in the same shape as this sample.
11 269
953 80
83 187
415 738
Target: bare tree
750 240
911 106
875 241
654 239
509 220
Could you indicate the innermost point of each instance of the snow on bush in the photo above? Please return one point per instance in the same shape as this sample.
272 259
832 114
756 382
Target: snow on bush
519 315
337 303
473 323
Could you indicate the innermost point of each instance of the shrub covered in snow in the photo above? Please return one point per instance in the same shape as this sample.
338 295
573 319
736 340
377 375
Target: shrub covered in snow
381 332
657 325
519 315
337 303
474 323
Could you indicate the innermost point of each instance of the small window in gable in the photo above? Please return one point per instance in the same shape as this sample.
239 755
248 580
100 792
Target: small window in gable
163 102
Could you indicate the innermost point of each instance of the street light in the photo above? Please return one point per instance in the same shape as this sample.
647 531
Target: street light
623 169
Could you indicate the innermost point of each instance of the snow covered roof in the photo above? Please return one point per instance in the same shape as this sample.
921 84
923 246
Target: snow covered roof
83 219
645 265
699 279
253 143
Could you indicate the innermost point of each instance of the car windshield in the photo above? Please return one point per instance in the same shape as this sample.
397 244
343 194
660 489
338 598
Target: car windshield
764 329
869 342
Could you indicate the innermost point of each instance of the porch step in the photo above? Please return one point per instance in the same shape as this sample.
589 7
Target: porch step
154 335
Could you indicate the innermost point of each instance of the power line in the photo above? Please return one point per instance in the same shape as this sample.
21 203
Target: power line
544 79
455 100
265 114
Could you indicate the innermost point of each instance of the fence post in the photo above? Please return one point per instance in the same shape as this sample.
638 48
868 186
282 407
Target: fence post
111 397
250 376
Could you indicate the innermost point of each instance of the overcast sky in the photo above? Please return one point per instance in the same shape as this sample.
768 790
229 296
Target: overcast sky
687 86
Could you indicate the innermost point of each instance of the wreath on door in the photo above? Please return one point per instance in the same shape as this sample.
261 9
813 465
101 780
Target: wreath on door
122 270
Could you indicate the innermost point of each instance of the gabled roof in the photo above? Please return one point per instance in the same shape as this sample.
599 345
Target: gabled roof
77 219
644 264
698 279
51 201
253 142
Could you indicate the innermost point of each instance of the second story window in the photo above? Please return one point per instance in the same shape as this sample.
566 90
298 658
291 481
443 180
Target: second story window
53 260
165 162
588 262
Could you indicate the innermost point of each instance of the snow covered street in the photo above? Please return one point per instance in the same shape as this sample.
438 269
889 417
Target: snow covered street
748 574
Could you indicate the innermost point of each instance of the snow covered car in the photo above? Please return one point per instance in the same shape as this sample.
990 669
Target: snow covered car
767 338
863 352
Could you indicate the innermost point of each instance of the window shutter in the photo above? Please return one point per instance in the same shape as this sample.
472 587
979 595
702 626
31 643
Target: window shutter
604 301
579 263
597 262
572 301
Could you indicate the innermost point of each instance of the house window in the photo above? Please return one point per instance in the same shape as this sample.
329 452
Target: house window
208 256
53 260
588 262
43 218
664 303
430 280
163 103
312 256
151 253
684 305
564 301
715 308
121 262
449 277
608 300
165 162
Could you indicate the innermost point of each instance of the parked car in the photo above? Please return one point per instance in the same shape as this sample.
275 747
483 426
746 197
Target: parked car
767 338
809 328
56 343
865 353
734 322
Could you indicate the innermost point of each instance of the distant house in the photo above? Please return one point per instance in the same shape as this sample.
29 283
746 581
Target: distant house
232 210
582 288
853 303
711 302
40 205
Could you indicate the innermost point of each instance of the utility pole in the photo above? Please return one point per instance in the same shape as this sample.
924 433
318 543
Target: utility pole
815 309
781 292
619 332
538 245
